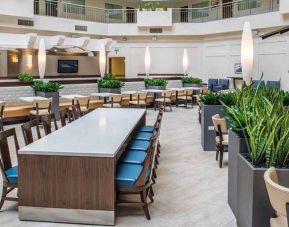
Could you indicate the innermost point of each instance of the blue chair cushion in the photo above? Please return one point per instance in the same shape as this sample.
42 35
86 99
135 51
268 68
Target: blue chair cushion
134 157
127 174
147 128
139 145
12 174
147 136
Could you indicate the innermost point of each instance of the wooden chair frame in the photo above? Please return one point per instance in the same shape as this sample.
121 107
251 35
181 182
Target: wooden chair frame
37 108
63 113
76 111
5 163
164 103
112 100
138 95
27 131
46 121
220 147
186 101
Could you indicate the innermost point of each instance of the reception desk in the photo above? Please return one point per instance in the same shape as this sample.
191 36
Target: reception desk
69 175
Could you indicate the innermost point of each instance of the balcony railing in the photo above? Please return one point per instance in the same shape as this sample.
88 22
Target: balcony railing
183 15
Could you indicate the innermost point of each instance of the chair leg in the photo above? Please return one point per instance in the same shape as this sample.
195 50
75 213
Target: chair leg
186 104
171 106
150 194
4 193
152 191
157 160
145 204
217 154
221 158
154 173
155 106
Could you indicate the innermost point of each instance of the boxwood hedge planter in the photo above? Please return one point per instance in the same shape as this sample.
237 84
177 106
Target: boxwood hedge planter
237 145
156 87
55 101
253 205
109 90
208 133
191 85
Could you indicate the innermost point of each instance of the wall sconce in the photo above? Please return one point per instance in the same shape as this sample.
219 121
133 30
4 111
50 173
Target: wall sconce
14 58
147 60
247 53
102 60
185 61
29 61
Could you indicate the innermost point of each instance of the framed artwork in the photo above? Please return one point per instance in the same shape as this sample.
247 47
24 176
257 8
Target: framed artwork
238 68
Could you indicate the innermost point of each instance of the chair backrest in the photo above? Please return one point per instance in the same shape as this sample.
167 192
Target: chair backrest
167 94
142 96
204 90
273 84
83 101
220 124
258 83
76 111
212 83
27 131
42 104
278 194
2 106
47 123
5 159
65 113
115 98
189 92
225 83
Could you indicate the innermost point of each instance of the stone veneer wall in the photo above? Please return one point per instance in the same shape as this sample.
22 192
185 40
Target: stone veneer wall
11 94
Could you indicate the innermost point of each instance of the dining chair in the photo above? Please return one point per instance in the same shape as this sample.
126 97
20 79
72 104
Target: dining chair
40 108
212 83
258 83
27 131
224 83
139 100
9 172
65 116
222 138
2 106
47 123
273 84
279 198
134 179
165 100
186 97
114 101
83 103
76 111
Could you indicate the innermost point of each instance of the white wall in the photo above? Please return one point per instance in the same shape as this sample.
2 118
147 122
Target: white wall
17 8
284 6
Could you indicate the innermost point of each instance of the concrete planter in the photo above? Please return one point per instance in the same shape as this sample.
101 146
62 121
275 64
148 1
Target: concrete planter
109 90
191 85
253 205
237 145
157 87
55 101
208 134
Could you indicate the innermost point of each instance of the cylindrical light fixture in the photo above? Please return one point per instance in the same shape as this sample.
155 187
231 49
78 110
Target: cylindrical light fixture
247 53
41 59
185 61
102 60
147 61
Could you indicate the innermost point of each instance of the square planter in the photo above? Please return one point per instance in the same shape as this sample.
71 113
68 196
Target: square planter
55 101
253 205
156 87
109 90
208 134
236 146
191 85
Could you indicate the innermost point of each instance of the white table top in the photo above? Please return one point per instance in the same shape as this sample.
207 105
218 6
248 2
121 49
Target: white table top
129 92
105 94
154 90
97 134
71 97
177 89
31 99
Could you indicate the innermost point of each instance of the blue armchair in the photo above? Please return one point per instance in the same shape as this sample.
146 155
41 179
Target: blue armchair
212 83
224 83
256 83
273 84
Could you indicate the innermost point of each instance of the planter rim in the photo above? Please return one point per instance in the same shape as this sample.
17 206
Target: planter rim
211 105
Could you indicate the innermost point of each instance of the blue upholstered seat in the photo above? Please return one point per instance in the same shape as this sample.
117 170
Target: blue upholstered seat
134 157
147 136
12 174
147 128
127 174
139 145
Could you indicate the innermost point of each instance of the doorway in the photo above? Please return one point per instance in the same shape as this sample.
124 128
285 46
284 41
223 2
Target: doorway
117 67
130 15
184 17
51 8
227 9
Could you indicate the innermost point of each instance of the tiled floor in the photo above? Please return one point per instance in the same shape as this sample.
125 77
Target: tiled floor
191 190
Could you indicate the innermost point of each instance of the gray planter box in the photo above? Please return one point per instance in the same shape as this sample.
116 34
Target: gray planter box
157 87
109 90
191 85
237 145
55 101
253 205
208 134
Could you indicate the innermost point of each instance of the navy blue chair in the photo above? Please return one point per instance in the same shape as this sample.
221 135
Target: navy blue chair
224 83
258 83
134 179
9 172
212 83
273 84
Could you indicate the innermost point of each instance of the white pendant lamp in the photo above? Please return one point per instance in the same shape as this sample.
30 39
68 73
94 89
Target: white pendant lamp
147 60
185 61
41 59
102 60
247 53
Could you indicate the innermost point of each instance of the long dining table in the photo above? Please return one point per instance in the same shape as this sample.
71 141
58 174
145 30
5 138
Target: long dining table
69 175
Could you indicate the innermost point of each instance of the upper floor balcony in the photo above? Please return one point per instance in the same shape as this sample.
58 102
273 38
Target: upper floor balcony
158 17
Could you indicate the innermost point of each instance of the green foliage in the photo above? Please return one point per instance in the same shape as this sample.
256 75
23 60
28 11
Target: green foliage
152 6
155 82
191 80
260 116
212 98
25 77
109 81
46 86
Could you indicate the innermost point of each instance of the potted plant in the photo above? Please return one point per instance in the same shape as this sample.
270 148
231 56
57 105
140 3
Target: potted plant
25 77
189 81
49 90
109 84
156 83
211 104
262 120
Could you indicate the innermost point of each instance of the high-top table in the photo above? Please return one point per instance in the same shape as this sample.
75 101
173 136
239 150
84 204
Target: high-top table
69 175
